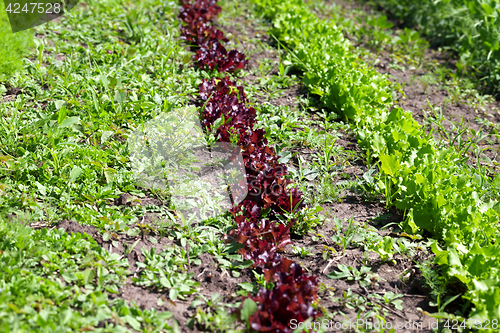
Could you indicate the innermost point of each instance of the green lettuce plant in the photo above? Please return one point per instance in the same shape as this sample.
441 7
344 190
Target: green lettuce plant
434 186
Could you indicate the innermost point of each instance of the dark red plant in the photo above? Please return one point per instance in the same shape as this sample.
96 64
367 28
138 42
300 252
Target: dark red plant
202 35
266 183
269 192
200 10
291 297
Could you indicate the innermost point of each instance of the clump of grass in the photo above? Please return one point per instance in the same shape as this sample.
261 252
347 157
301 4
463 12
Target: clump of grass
13 46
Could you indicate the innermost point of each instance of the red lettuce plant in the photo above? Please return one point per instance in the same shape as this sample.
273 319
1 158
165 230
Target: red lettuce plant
226 114
266 183
199 32
291 297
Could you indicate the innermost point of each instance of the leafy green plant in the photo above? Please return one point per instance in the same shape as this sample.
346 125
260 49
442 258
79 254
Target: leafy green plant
260 279
384 248
469 28
305 220
325 158
437 285
212 314
167 271
342 240
52 280
302 251
394 299
354 235
363 275
411 41
375 30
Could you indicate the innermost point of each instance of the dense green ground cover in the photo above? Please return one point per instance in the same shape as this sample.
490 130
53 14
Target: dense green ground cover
12 46
63 148
433 185
470 28
52 282
113 66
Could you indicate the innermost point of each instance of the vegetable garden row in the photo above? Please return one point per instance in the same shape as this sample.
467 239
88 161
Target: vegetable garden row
470 29
134 264
293 290
435 189
432 186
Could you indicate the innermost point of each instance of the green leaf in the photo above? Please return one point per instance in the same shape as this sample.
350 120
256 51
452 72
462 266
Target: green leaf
106 236
133 232
165 282
310 174
109 174
344 272
183 288
42 189
378 144
61 115
75 173
248 308
58 104
197 302
105 136
246 286
104 80
487 9
398 304
69 277
317 209
285 157
88 275
69 121
173 294
449 300
134 323
390 164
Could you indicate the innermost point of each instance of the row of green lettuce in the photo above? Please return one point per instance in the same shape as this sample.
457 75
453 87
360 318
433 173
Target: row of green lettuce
12 46
471 28
433 185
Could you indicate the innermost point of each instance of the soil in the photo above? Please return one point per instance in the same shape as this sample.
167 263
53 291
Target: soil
11 94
